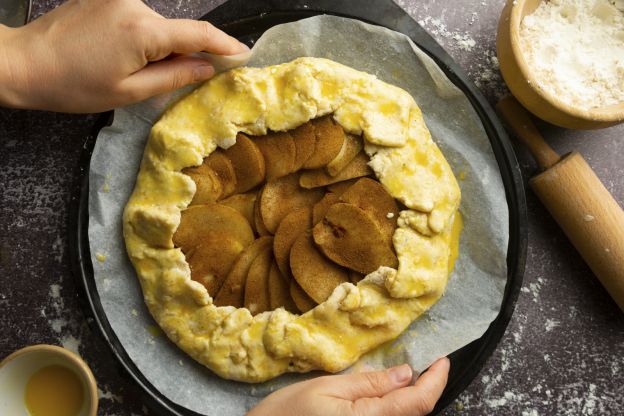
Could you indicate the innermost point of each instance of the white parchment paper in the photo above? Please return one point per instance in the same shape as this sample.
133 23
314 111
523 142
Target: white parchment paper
474 292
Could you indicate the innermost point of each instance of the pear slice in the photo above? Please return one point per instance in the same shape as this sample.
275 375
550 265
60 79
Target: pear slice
305 140
211 261
222 166
329 139
358 167
340 188
316 275
279 291
279 152
248 163
244 204
208 187
351 146
282 196
257 284
199 222
259 225
293 224
349 236
233 288
302 301
373 198
320 208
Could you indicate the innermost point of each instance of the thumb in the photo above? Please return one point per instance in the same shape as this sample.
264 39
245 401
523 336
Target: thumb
419 399
163 76
371 384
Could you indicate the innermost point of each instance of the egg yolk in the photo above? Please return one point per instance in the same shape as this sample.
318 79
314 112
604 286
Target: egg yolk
54 390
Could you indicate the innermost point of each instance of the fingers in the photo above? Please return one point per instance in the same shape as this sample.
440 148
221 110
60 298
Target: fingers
188 36
419 399
370 384
164 76
433 381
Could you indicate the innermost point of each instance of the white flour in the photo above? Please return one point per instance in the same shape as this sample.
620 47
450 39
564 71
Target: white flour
575 49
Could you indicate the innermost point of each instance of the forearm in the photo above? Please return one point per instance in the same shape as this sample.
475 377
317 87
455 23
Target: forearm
11 82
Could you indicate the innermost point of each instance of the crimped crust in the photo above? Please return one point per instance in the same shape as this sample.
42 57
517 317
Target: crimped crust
355 318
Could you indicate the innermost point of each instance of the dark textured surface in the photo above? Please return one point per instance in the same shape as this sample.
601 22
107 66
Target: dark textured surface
562 353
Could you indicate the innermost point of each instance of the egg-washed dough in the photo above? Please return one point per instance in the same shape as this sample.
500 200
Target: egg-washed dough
355 318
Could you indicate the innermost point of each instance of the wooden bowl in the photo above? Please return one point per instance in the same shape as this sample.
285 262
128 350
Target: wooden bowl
523 84
16 369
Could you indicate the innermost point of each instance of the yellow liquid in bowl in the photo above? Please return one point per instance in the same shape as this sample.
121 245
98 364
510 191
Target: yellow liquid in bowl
54 391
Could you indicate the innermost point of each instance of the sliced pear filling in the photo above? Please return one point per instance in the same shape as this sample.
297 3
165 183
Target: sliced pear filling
280 220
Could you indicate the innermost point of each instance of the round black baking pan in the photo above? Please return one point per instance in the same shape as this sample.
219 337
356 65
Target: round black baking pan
247 20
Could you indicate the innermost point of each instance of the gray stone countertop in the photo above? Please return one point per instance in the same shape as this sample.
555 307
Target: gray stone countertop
562 354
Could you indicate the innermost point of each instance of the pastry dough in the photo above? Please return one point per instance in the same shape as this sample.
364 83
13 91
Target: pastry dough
355 318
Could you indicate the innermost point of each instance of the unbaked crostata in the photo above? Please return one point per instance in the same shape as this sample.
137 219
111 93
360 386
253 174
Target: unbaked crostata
290 218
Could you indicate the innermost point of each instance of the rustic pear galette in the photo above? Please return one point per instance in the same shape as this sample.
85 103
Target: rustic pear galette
291 218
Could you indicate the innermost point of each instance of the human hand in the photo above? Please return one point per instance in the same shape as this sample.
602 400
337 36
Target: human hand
376 393
94 55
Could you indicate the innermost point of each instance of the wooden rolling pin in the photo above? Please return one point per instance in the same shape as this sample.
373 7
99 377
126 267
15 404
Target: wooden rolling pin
579 202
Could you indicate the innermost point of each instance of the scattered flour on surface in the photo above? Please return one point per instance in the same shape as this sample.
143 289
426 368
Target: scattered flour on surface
58 249
71 343
551 324
496 402
590 402
575 49
61 321
533 289
437 27
58 324
504 360
55 291
58 306
465 42
108 395
473 17
508 397
487 75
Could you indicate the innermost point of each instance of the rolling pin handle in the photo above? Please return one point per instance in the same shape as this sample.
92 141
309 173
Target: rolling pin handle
520 122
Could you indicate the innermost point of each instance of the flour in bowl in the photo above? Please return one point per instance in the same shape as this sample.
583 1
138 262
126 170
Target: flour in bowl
575 49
